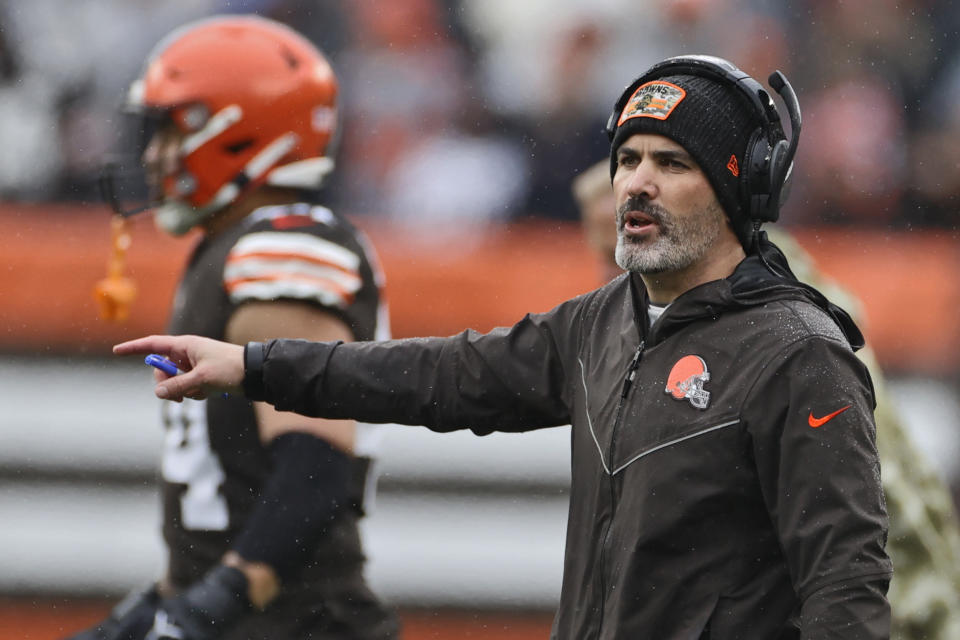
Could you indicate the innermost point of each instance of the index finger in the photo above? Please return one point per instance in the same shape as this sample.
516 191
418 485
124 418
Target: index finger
163 345
174 348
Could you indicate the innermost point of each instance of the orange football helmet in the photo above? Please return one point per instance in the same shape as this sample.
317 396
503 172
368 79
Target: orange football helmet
255 103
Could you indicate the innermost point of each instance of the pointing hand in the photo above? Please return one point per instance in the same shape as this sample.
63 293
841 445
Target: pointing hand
206 365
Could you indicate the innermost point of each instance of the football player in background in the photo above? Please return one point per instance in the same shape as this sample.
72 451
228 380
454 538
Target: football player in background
924 538
263 542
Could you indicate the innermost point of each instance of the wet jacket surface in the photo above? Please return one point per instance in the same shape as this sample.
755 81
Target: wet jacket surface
725 480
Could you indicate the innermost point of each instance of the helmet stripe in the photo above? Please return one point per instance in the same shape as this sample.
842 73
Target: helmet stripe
220 122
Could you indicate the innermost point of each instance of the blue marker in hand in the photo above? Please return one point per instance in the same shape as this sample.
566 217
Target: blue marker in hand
164 364
167 366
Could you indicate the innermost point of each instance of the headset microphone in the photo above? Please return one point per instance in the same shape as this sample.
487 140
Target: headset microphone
784 166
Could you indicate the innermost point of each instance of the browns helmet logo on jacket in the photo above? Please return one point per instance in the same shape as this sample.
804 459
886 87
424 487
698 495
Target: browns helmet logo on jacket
686 381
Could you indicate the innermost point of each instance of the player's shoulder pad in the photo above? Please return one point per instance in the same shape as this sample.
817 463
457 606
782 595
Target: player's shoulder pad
289 252
298 215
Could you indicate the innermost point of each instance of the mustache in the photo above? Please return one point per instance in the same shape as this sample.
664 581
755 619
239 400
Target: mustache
635 203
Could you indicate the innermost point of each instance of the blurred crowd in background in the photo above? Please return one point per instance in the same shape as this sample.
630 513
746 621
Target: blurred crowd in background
460 113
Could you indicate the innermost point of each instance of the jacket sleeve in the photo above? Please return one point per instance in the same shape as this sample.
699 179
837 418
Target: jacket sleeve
810 417
511 379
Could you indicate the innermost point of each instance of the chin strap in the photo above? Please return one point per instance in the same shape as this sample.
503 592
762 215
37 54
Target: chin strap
116 292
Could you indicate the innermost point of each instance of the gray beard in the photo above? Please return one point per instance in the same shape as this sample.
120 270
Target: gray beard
680 242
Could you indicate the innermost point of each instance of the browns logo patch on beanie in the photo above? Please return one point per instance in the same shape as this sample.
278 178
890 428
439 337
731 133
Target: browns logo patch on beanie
710 120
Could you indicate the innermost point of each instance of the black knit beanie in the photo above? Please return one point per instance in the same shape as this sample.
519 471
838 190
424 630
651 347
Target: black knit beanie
712 121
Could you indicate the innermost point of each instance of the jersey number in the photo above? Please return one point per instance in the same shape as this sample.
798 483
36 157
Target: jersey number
189 460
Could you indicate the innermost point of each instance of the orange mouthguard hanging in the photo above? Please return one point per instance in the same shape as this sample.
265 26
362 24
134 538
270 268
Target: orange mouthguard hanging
116 292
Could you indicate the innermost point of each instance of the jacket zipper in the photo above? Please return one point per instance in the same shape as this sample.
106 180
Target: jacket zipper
625 391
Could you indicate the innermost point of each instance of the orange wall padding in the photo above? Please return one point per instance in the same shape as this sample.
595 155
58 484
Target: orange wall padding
54 618
54 254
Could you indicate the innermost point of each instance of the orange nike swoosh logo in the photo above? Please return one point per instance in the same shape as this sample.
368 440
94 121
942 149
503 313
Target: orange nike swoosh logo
819 422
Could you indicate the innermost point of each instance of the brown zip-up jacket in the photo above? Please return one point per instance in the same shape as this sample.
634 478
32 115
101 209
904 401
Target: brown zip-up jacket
725 480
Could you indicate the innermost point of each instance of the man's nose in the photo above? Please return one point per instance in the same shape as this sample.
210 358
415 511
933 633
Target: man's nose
642 182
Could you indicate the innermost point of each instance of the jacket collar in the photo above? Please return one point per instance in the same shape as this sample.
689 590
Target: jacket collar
760 278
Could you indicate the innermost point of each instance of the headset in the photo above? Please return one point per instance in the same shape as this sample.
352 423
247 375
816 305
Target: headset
765 182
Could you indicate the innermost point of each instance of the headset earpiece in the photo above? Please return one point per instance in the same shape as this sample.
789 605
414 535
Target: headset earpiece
779 178
756 184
